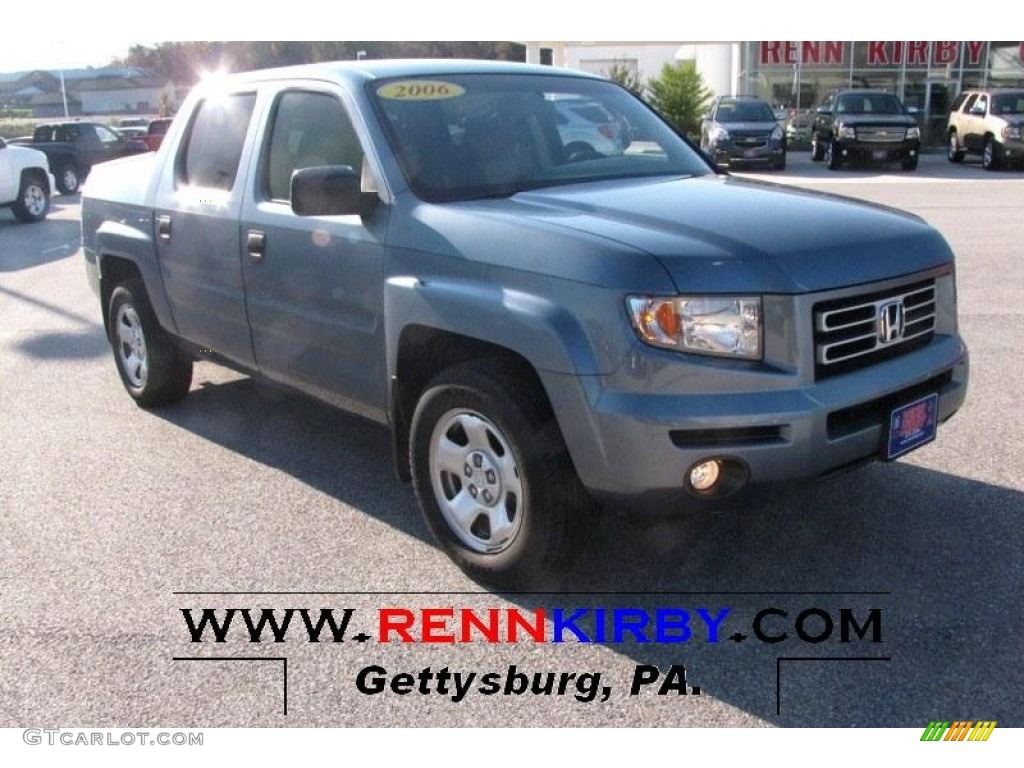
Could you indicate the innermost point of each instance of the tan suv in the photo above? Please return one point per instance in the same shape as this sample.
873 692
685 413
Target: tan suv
989 123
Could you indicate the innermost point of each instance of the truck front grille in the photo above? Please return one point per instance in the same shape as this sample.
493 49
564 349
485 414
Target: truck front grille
856 332
881 134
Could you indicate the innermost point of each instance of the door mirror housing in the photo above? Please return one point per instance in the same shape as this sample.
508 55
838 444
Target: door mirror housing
329 190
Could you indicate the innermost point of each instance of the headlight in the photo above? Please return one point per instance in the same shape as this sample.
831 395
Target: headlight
718 133
846 132
777 132
1011 132
913 132
726 326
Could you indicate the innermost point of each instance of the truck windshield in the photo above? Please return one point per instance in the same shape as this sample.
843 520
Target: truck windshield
460 137
1008 104
870 104
736 111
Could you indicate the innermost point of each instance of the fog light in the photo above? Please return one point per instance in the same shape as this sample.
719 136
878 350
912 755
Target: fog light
704 475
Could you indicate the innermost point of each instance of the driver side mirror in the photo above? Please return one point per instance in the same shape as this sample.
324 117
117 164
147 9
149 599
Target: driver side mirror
329 190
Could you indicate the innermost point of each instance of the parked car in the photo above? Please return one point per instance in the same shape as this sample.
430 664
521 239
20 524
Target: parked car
25 182
987 123
73 148
863 124
155 133
742 130
542 332
798 127
131 132
588 129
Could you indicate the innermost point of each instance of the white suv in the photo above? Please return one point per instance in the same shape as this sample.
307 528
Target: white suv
25 182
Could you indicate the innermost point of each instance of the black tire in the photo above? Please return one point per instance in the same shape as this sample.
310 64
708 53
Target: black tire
69 179
152 369
817 150
33 203
909 162
990 159
508 468
953 151
833 159
780 164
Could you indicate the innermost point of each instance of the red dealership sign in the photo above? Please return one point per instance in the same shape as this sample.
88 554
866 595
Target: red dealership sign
880 53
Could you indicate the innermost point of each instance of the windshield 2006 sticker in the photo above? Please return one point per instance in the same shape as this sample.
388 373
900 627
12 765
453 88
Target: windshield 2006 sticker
420 90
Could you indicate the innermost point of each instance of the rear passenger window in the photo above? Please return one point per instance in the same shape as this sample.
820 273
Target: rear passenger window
214 145
309 129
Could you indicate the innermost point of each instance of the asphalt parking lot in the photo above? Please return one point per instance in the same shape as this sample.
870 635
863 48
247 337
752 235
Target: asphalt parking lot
114 519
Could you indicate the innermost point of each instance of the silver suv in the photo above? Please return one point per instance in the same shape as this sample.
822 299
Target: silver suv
988 123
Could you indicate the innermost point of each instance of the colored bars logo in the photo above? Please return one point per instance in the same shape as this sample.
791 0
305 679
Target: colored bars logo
961 730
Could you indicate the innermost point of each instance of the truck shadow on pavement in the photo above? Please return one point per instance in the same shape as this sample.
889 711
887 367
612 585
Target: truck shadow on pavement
924 562
24 246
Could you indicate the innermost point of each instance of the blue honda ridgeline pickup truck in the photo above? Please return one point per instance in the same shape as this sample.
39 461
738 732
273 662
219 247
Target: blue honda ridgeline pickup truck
545 324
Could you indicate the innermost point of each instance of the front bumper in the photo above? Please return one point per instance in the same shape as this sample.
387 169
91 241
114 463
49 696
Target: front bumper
727 153
878 151
633 435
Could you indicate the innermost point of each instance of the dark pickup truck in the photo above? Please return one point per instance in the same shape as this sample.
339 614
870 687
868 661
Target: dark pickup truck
74 148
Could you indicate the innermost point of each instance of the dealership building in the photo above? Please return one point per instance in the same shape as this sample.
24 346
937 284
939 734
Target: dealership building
925 74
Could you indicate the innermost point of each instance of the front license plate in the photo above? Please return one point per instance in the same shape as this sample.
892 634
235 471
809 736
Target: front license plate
879 154
751 153
912 425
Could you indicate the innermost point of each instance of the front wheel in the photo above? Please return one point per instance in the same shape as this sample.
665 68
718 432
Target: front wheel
780 163
909 162
990 156
33 201
152 369
833 158
817 150
493 477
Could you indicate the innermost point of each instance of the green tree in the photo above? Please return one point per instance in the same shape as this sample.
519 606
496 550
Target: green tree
620 72
680 95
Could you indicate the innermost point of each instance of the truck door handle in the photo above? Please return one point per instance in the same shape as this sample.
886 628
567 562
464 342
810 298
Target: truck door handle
256 245
163 228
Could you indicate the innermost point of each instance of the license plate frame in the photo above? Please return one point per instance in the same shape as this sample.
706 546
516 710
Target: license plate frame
910 426
879 154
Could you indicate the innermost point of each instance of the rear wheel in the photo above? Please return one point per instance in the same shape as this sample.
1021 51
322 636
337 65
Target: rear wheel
493 477
68 179
152 369
33 201
953 152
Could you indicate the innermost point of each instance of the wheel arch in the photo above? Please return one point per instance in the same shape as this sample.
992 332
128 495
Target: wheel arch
424 352
38 173
115 271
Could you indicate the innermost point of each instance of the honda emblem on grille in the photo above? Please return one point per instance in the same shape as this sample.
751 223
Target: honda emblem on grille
891 321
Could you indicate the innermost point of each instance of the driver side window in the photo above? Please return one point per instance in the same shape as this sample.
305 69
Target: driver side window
310 129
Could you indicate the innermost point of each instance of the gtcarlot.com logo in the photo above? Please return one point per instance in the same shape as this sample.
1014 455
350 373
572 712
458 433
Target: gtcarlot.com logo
107 738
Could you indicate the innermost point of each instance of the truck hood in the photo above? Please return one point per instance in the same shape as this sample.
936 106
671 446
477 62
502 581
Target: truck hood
720 234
